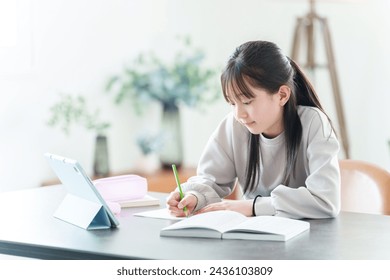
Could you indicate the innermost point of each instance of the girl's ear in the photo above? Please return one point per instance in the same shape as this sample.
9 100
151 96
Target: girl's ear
284 94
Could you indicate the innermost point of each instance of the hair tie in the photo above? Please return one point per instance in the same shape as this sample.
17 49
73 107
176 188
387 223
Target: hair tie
253 206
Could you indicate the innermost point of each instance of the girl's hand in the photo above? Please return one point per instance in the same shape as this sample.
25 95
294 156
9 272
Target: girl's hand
175 205
242 206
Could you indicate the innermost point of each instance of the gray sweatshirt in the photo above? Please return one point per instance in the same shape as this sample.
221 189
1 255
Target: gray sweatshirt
314 191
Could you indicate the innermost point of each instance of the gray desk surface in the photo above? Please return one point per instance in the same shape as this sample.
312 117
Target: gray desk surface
29 229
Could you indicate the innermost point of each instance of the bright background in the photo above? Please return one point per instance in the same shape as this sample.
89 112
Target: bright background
49 47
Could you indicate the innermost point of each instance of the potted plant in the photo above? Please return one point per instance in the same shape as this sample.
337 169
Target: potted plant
182 81
72 110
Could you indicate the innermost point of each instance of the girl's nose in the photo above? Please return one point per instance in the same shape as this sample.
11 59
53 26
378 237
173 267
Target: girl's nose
240 111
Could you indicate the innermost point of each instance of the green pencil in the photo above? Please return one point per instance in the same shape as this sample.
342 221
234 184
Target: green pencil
179 186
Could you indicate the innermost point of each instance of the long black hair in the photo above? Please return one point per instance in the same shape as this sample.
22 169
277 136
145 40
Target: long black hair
263 65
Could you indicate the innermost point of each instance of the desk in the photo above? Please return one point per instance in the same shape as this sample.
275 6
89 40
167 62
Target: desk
29 229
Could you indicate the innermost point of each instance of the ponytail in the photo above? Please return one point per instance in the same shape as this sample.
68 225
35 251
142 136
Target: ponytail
304 90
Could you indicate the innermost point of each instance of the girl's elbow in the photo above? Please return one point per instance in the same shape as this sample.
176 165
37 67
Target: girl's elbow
333 210
334 213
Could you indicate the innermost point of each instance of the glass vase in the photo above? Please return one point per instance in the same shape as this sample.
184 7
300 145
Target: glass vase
172 150
101 165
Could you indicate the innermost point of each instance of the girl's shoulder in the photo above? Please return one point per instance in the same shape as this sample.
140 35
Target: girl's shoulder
313 118
309 112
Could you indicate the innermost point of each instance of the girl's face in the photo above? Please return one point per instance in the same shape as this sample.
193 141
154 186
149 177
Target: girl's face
263 113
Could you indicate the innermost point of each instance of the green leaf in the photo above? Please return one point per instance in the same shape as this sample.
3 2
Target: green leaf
148 78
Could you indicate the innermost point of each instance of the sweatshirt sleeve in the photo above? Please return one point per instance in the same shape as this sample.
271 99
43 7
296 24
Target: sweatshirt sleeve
216 174
320 196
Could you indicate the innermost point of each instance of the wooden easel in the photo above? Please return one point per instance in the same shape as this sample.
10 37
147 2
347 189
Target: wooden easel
304 30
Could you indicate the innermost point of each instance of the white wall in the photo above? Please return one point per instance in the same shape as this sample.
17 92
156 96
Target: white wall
74 46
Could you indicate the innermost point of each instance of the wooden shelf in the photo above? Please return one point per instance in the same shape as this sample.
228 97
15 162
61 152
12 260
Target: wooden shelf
160 181
164 181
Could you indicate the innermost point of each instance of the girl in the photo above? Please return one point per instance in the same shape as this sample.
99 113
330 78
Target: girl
278 144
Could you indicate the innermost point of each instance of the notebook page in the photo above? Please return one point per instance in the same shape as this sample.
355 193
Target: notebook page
272 224
158 214
216 220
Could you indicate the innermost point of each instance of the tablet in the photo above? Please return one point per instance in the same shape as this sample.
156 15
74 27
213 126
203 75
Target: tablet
83 205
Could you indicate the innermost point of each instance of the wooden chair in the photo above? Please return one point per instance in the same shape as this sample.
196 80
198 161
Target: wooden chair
365 187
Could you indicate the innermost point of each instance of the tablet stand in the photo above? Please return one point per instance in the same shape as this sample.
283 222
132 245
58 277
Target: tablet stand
83 213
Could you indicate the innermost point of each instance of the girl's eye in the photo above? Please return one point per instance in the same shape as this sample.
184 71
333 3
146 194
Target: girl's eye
247 102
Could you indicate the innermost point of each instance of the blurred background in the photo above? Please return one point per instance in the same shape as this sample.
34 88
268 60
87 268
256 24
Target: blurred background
56 51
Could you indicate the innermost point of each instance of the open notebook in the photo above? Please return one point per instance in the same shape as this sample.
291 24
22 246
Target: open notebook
233 225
